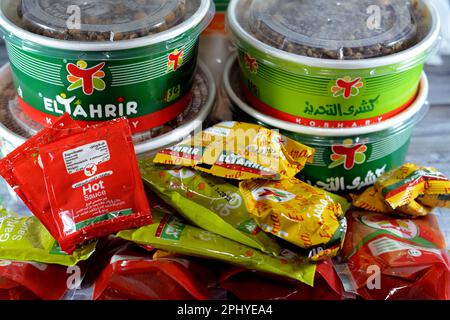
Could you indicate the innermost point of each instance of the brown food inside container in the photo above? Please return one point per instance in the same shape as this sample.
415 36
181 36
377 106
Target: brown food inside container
169 21
309 25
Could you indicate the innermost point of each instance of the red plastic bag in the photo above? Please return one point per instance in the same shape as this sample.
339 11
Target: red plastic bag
134 275
93 183
387 258
248 285
22 172
32 281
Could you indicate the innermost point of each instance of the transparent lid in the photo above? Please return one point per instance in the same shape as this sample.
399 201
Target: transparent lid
334 29
102 20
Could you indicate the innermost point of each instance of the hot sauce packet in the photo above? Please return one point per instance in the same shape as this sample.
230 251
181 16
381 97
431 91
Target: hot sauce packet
303 215
172 234
410 190
22 171
26 239
94 184
208 202
241 151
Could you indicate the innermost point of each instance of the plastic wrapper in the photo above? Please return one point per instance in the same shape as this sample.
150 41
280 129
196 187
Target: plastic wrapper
410 190
93 184
207 202
247 285
241 151
385 258
172 234
136 275
298 213
26 239
32 281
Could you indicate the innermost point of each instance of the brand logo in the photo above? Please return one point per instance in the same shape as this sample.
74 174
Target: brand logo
175 60
402 228
251 63
347 87
272 194
89 79
348 154
90 170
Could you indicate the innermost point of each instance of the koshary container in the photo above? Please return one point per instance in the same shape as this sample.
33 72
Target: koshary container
16 127
100 60
346 159
332 64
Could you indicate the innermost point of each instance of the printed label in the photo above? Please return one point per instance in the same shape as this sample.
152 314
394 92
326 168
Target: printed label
170 228
86 158
386 245
402 228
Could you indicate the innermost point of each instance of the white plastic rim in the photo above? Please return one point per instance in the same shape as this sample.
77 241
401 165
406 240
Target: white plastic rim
151 145
393 59
406 115
90 46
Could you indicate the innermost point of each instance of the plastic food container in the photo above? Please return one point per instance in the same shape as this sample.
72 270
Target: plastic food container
346 159
16 126
332 64
100 60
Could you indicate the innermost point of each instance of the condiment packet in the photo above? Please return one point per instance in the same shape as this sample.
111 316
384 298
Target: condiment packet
410 190
135 275
26 239
303 215
386 258
241 151
208 202
172 234
22 171
94 184
22 280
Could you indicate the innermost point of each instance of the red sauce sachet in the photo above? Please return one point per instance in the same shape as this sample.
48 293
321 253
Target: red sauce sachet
93 183
22 171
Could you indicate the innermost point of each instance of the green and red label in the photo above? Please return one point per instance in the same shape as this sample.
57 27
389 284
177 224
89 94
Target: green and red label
338 100
150 90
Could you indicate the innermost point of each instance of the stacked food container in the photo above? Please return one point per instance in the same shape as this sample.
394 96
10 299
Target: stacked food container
104 60
348 80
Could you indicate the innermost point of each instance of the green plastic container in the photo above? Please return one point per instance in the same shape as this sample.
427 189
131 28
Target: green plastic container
346 159
16 127
105 59
327 64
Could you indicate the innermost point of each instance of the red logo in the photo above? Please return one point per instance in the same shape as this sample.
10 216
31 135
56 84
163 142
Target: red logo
347 87
251 63
348 154
175 59
90 79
